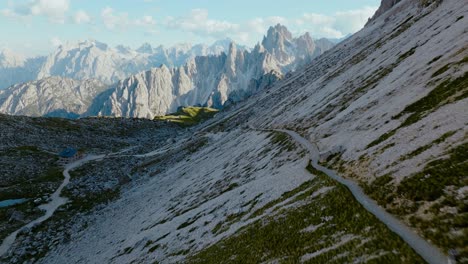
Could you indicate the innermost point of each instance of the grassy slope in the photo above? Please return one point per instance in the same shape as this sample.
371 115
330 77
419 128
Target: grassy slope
347 232
189 116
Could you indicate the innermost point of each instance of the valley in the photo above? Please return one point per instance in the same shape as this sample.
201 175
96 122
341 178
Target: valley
356 154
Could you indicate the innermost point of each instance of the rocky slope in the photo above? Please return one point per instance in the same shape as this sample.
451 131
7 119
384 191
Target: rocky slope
387 109
204 80
53 96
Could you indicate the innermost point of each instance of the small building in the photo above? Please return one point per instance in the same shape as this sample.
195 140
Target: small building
68 154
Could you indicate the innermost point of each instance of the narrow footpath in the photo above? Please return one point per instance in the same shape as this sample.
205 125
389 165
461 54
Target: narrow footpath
427 251
50 207
57 200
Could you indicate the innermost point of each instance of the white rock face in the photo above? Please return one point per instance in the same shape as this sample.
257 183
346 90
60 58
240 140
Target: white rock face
225 73
53 96
92 59
212 80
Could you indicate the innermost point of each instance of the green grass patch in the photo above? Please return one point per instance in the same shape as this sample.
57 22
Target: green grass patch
428 146
434 59
435 99
189 116
448 66
283 140
92 199
382 138
445 93
429 184
406 54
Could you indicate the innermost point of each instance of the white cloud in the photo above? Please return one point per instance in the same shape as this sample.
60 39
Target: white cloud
261 25
81 17
113 21
198 22
145 21
54 10
7 12
337 25
55 42
353 20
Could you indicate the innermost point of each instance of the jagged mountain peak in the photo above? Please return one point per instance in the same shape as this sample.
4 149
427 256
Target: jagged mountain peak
123 49
145 48
277 37
279 30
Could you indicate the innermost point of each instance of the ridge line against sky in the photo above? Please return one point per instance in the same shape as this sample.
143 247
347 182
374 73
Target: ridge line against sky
36 27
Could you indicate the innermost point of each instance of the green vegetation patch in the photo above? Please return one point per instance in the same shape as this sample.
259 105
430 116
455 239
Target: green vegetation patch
189 116
428 146
435 99
283 140
406 54
289 235
429 184
447 66
445 93
56 123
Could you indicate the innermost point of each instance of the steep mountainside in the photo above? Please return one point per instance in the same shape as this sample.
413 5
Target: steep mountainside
386 109
385 6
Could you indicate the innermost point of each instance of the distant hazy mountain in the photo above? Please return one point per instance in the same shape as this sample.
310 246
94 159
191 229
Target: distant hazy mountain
93 59
15 68
188 76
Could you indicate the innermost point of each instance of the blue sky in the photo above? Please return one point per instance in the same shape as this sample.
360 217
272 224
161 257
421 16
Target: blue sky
35 27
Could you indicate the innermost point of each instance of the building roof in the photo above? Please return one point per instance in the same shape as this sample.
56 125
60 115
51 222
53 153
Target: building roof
68 153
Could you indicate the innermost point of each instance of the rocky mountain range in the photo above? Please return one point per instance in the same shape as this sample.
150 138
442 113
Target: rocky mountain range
92 59
221 77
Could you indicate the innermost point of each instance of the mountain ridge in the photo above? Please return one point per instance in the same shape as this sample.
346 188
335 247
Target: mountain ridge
213 80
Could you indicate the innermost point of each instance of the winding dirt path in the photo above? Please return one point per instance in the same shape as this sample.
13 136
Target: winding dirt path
52 206
57 200
427 251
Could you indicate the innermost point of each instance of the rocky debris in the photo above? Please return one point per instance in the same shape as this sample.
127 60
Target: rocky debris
16 216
